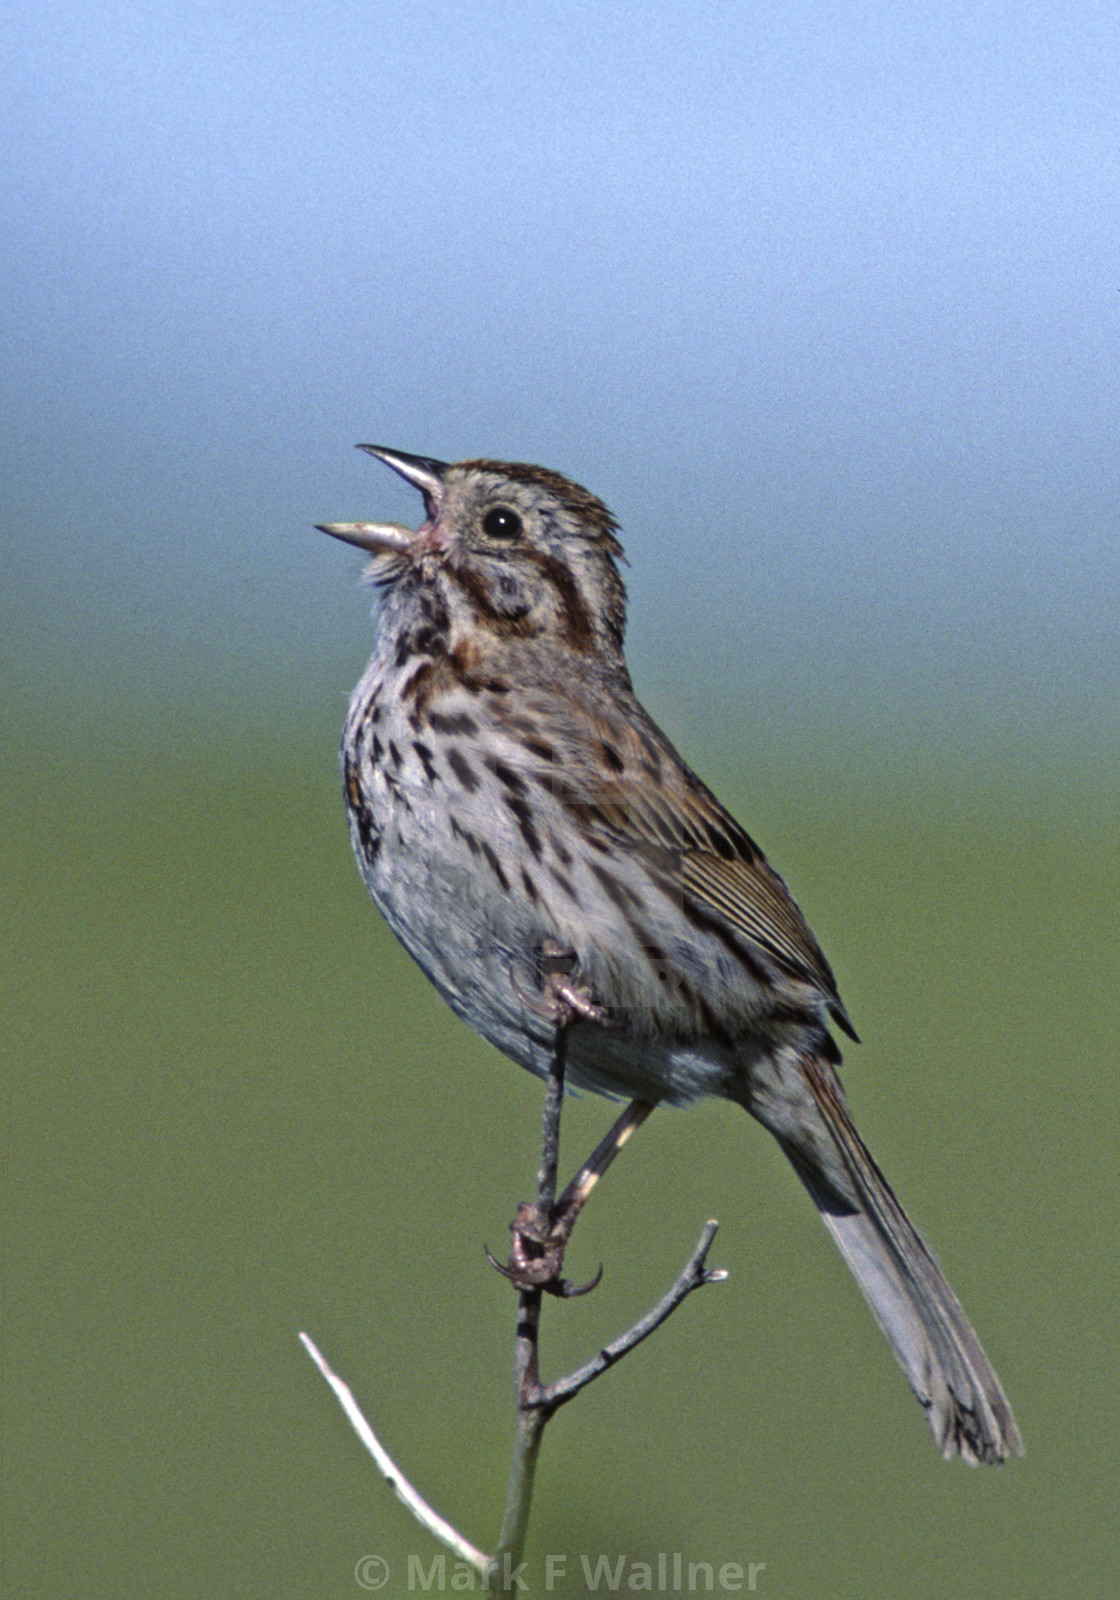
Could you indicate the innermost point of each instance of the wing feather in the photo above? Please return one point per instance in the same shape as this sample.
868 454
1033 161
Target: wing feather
695 847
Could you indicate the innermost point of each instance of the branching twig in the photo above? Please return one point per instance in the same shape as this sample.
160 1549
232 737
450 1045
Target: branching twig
540 1235
694 1275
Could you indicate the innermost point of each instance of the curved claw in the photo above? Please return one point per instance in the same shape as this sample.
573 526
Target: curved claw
506 1272
541 1275
532 1272
569 1291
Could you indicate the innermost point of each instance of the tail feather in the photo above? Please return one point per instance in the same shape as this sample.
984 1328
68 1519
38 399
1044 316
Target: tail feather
922 1318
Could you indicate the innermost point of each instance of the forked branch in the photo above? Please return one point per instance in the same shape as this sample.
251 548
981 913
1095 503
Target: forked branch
540 1233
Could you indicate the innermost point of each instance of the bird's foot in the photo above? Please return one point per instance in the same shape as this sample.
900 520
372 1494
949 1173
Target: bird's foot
536 1256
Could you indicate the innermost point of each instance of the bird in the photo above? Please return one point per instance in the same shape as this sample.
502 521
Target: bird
515 812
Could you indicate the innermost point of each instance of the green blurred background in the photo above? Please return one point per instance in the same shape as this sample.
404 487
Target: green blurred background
822 300
235 1111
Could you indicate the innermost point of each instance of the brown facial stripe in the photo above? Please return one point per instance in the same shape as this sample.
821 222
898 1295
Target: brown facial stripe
467 671
428 634
576 625
474 586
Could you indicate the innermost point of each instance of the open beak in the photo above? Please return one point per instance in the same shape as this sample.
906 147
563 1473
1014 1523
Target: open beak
379 538
421 471
390 538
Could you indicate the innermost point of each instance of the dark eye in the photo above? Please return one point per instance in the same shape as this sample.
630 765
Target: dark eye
502 523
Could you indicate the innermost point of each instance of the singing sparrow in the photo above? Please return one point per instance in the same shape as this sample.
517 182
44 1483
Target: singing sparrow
509 798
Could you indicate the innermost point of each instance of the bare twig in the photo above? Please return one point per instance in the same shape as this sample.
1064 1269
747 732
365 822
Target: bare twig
531 1419
537 1402
540 1232
392 1474
694 1275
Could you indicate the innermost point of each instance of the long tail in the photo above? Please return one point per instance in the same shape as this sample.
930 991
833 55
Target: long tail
922 1318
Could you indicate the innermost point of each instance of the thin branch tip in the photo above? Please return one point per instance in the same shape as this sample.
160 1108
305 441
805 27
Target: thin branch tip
393 1476
694 1275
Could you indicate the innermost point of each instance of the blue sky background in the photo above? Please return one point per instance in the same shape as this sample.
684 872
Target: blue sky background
823 299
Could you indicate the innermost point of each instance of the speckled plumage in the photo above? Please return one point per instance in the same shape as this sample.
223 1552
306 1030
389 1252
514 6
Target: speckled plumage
509 796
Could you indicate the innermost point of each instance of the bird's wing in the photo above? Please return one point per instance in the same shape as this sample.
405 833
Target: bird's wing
640 796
